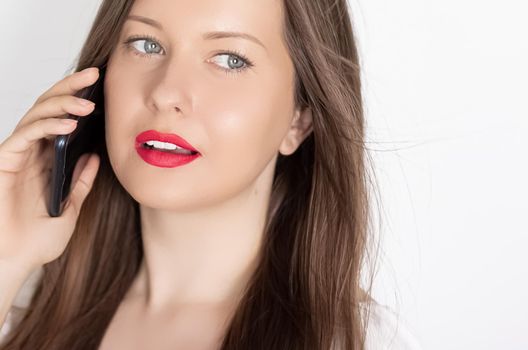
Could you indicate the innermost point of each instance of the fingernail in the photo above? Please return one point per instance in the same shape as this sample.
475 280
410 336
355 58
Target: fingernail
68 121
88 70
85 102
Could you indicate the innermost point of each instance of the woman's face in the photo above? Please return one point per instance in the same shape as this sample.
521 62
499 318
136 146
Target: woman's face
236 113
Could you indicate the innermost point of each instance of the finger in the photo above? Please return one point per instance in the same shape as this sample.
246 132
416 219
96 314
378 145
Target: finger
58 106
71 84
67 86
13 151
50 139
50 104
82 187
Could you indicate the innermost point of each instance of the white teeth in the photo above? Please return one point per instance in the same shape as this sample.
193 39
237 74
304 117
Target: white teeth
167 147
163 145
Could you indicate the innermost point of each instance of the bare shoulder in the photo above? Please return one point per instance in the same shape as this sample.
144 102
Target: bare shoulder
13 317
20 304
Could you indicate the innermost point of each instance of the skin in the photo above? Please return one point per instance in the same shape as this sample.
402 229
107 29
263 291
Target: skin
202 223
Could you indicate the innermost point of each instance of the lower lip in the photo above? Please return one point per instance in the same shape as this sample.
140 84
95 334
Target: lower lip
164 159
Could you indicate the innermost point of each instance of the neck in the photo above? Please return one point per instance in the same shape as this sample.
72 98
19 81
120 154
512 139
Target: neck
205 256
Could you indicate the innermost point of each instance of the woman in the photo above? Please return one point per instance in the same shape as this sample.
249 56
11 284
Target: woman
256 240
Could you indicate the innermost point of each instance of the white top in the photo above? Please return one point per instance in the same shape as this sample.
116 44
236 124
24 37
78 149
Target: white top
384 332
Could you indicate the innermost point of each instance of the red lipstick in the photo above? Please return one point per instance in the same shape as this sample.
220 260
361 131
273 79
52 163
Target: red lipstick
161 157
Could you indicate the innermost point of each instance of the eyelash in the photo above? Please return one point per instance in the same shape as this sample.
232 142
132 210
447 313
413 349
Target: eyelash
128 44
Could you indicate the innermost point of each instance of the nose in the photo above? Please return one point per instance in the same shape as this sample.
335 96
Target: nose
170 87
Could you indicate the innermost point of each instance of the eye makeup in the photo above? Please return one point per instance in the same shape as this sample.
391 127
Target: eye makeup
128 44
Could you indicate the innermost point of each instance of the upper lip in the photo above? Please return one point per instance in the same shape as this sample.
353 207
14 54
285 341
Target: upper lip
154 135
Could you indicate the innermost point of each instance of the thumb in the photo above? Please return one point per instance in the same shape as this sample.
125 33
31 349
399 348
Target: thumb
82 181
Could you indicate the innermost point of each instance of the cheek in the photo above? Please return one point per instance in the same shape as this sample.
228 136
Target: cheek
119 122
245 133
240 128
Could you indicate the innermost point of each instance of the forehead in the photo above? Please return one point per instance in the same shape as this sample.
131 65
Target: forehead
192 18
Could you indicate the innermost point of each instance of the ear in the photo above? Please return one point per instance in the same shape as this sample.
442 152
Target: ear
301 126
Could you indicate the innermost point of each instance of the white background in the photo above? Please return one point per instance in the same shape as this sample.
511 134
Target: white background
445 93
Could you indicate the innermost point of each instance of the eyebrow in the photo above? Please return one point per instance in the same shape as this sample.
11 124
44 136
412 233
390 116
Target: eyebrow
206 36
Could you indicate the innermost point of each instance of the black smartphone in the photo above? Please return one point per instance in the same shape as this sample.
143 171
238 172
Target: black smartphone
85 138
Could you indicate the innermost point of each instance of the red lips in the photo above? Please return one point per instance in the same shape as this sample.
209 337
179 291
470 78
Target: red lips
153 135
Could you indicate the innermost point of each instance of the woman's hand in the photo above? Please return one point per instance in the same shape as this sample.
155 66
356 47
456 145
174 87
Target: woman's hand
29 237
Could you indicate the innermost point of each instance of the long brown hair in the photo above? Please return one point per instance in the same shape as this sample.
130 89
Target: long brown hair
305 292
